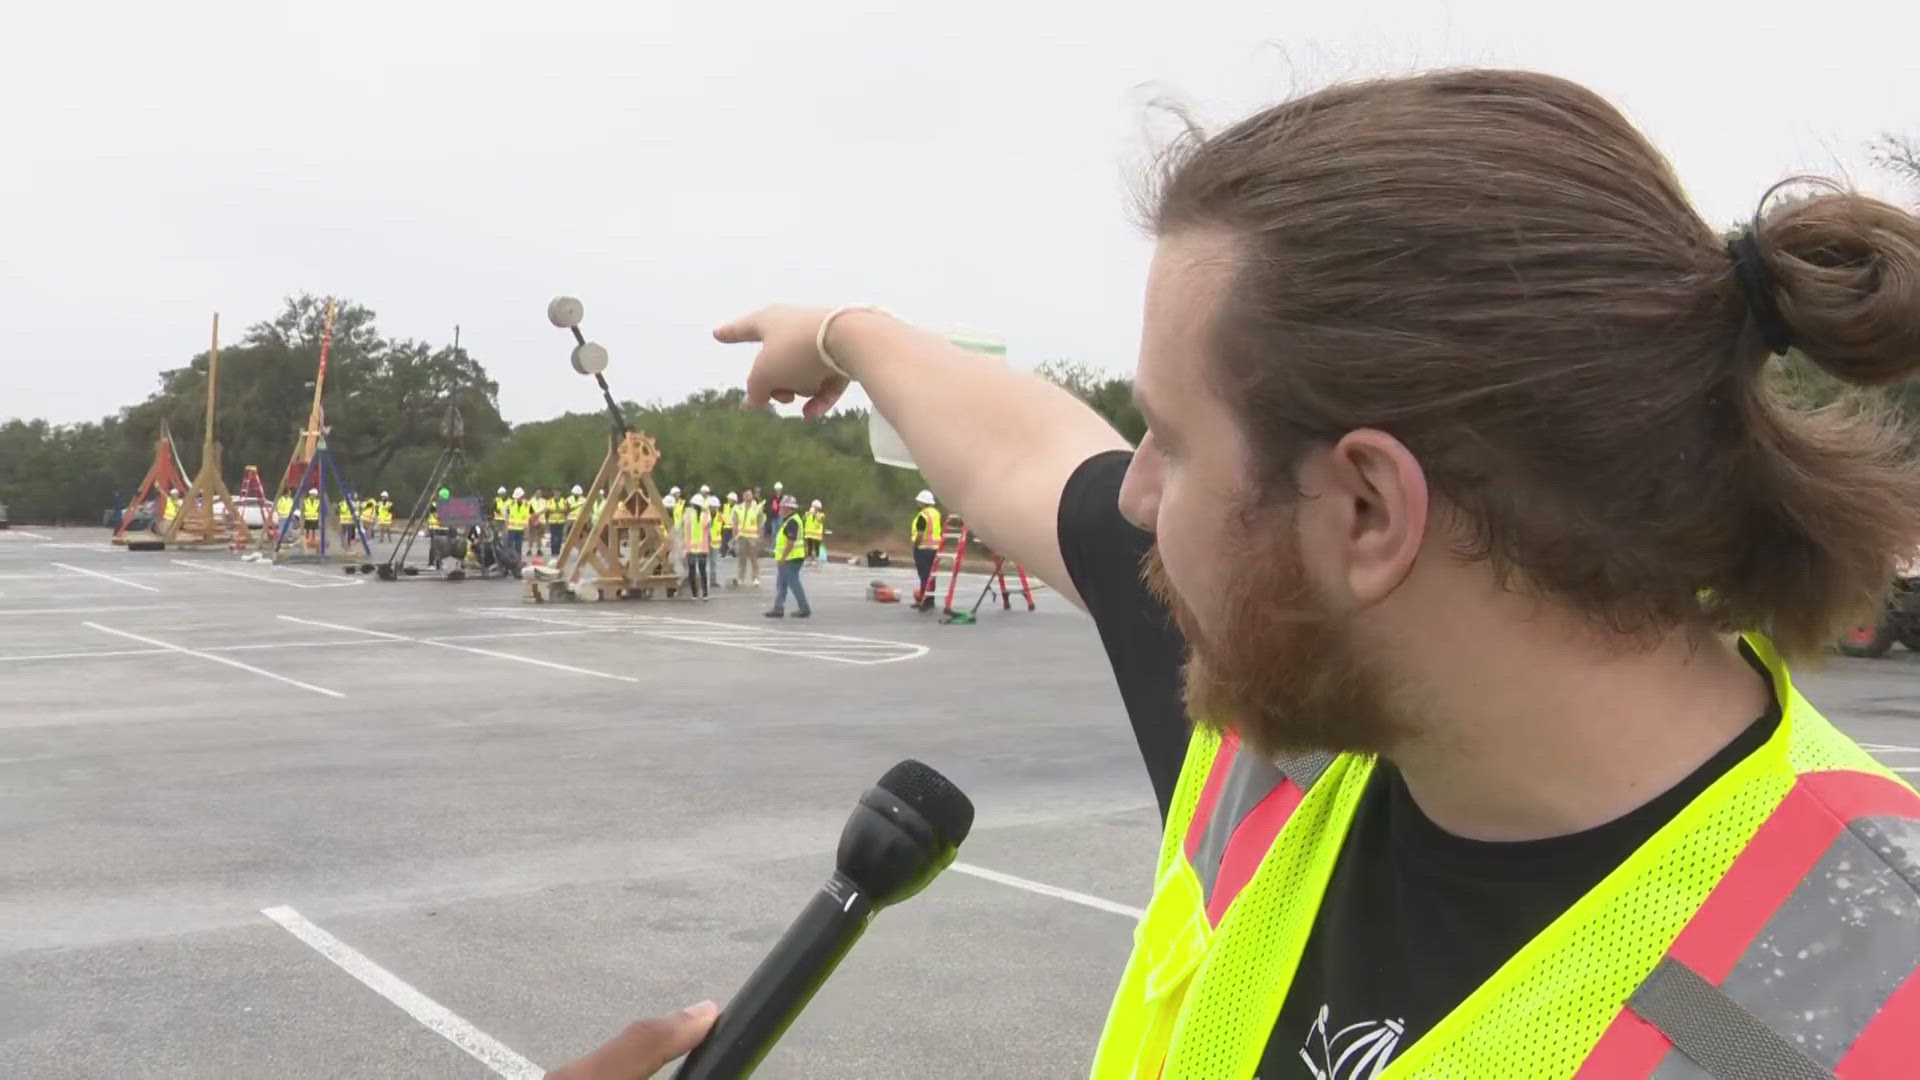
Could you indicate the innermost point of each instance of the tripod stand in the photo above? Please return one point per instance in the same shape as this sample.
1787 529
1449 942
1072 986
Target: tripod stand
466 531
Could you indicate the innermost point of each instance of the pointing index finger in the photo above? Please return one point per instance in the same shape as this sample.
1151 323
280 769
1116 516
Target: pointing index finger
743 329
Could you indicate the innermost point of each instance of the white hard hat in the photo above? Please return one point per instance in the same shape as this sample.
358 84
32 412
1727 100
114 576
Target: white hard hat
925 498
733 496
704 489
667 499
777 485
576 489
816 504
502 490
383 494
675 490
519 492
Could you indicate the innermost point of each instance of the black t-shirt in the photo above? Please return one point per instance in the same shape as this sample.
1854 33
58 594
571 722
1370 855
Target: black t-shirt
1414 917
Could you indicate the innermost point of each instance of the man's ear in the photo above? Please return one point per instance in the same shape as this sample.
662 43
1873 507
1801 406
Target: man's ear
1377 495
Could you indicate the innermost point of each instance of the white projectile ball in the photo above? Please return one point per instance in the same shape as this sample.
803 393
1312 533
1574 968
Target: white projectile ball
565 312
589 359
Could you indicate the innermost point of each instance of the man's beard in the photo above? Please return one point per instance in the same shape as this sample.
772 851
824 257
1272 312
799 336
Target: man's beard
1283 669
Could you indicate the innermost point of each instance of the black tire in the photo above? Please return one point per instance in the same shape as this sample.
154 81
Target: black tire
1867 642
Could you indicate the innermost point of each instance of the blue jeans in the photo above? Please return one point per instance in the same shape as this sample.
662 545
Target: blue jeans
517 540
789 580
556 532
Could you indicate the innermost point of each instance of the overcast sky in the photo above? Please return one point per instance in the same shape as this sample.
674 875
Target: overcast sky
673 164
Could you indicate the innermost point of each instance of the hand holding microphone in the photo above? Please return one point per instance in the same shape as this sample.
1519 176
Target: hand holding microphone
904 831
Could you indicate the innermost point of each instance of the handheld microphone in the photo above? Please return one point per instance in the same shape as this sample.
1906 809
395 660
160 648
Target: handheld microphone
905 830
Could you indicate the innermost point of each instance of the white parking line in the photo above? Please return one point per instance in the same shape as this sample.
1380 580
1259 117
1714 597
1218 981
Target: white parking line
23 533
1054 891
439 1019
1889 748
1912 770
810 644
73 610
155 642
87 655
105 577
463 648
269 580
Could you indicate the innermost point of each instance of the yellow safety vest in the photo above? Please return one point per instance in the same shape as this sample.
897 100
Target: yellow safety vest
693 532
310 508
1207 979
816 524
716 522
678 508
500 507
170 508
926 531
540 509
519 512
749 519
369 511
785 550
386 511
433 518
283 507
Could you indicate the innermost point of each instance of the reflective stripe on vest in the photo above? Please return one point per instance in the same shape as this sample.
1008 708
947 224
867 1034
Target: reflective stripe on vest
926 531
814 525
694 532
1822 956
750 517
1813 934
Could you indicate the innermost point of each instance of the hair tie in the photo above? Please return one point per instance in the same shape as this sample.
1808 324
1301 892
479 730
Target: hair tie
1756 281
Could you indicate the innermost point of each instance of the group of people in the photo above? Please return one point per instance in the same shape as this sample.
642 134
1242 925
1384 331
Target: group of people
519 516
375 516
704 527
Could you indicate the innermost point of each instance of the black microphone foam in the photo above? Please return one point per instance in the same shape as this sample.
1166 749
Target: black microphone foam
944 806
904 831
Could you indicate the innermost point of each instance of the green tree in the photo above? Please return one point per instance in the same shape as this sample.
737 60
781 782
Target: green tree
385 401
1899 155
1109 395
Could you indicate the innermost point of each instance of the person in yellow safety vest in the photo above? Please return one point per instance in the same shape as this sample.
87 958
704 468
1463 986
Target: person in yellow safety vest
500 501
789 555
746 541
716 528
386 516
519 514
729 524
1464 776
570 505
310 517
343 513
928 536
815 527
695 533
170 505
282 509
369 516
542 508
675 503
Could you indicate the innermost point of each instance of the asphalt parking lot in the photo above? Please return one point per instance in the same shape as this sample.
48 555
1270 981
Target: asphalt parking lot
285 822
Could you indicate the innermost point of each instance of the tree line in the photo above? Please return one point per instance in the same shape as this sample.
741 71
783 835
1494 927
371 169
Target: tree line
386 402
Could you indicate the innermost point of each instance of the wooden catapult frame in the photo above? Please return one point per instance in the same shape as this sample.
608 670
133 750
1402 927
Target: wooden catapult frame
621 552
207 514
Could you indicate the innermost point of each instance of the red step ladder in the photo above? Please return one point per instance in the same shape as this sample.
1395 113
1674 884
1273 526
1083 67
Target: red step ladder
997 575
